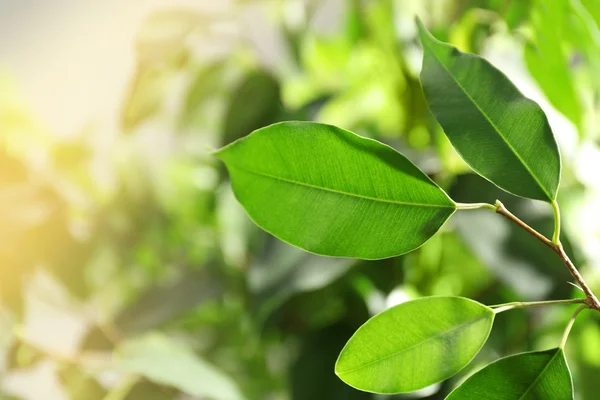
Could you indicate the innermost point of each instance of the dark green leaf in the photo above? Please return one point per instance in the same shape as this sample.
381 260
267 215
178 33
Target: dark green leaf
415 344
285 270
501 134
253 104
311 374
331 192
527 376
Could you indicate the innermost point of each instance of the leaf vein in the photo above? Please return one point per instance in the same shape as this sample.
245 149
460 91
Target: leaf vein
340 192
444 333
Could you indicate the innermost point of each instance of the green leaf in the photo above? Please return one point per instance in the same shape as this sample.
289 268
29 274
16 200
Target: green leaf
165 361
415 344
504 136
331 192
549 63
253 104
537 375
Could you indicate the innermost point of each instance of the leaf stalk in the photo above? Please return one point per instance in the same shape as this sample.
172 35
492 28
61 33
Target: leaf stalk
475 206
556 235
563 342
520 304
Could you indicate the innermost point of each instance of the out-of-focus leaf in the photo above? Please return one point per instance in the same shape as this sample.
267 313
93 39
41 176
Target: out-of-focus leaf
35 231
168 362
593 7
312 375
162 36
286 270
146 390
254 103
548 61
22 355
501 134
526 376
5 396
321 181
145 96
517 12
208 81
415 344
446 266
472 28
158 305
79 384
583 33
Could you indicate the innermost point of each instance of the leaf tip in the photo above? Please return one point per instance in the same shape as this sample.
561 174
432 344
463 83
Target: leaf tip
422 30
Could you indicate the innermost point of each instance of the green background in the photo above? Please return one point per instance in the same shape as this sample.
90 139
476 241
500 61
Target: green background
129 271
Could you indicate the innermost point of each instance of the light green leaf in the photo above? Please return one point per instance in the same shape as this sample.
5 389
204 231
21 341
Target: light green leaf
331 192
501 134
527 376
547 60
415 344
166 361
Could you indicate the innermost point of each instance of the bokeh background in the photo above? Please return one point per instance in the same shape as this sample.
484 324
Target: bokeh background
129 271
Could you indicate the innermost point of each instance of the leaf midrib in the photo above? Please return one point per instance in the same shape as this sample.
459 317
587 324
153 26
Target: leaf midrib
504 140
344 193
539 376
444 333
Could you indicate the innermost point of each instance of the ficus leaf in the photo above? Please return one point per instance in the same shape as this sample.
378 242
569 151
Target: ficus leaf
504 136
331 192
415 344
527 376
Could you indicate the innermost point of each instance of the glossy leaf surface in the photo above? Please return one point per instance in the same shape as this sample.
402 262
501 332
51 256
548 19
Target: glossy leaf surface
526 376
415 344
501 134
331 192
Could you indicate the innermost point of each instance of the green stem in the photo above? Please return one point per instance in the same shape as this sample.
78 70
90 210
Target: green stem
475 206
556 235
519 304
563 342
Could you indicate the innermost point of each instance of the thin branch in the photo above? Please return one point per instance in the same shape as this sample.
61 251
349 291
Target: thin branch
500 209
519 304
591 300
563 342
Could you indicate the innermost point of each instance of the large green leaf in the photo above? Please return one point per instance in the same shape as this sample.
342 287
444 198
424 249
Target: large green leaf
331 192
501 134
527 376
415 344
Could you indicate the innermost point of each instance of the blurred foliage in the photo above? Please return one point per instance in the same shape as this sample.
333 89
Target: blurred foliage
128 270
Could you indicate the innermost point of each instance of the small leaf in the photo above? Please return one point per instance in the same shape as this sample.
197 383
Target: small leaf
537 375
504 136
331 192
415 344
